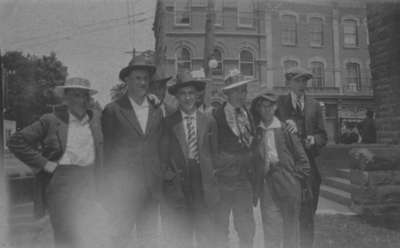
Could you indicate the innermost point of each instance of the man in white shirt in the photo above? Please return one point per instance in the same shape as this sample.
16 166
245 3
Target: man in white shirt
132 131
189 148
72 155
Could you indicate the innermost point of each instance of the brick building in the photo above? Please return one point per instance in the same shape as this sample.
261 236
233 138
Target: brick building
263 38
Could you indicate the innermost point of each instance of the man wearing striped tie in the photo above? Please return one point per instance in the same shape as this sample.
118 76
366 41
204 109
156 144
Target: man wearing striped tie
189 148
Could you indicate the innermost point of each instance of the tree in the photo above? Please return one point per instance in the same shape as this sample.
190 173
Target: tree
118 90
30 83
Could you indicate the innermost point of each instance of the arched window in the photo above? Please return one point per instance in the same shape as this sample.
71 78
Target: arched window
289 30
353 76
316 31
287 64
183 59
318 70
350 33
246 63
220 67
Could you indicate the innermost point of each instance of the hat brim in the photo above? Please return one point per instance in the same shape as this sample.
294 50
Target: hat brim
307 76
199 85
237 84
161 81
59 90
127 70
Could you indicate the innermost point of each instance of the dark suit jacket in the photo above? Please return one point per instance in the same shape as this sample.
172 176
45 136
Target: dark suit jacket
51 132
314 119
175 154
125 144
292 158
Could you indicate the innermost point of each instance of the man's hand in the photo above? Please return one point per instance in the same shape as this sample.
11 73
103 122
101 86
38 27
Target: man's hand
50 166
310 141
291 126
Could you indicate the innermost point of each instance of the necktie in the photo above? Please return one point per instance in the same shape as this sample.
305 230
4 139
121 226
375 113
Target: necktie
243 127
191 138
299 106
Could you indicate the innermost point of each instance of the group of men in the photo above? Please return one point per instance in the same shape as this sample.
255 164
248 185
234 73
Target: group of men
140 159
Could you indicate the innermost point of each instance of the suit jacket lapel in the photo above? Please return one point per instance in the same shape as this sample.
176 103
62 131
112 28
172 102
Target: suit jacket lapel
62 127
151 118
180 134
201 128
307 112
129 113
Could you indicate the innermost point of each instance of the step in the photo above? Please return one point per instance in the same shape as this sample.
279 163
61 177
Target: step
343 173
335 195
338 183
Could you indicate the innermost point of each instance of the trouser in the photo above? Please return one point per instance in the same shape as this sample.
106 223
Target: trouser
70 197
130 203
309 208
185 214
271 219
236 197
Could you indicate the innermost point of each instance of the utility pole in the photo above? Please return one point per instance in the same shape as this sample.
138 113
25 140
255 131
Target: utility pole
2 96
209 41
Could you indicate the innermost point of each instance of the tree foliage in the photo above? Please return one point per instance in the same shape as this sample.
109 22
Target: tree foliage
30 81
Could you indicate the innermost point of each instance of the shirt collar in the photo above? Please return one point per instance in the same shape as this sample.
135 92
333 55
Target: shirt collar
144 104
73 118
274 124
194 115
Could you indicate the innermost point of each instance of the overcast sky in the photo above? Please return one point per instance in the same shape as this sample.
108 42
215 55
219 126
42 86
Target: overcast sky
91 37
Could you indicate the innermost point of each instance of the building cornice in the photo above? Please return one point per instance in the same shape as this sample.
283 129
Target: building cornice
218 34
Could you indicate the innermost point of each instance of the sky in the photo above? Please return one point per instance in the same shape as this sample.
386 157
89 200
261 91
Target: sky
92 38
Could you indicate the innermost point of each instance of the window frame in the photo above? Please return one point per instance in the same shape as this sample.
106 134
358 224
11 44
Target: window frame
247 62
188 10
251 15
320 77
319 32
354 34
183 61
289 30
353 80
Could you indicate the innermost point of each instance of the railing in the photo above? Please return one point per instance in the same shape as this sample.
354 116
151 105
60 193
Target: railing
353 89
312 90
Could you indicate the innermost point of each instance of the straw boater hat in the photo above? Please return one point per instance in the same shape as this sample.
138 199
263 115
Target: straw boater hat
186 78
75 83
235 79
298 72
140 62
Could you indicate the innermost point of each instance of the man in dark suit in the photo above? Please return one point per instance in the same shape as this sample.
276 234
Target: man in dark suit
189 148
234 165
132 131
158 87
72 153
304 116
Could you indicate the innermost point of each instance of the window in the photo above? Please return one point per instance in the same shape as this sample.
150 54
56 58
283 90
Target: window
353 76
182 12
219 12
246 63
318 70
218 56
350 37
289 30
316 31
183 60
245 13
288 64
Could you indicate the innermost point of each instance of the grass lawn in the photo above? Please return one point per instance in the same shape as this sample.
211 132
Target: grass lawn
341 231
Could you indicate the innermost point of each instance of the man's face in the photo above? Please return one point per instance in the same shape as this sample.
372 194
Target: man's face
237 94
298 85
186 97
159 90
138 82
200 97
77 99
266 109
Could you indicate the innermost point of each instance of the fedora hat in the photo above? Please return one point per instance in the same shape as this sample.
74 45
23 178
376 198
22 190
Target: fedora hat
235 79
75 83
159 79
298 72
186 78
139 62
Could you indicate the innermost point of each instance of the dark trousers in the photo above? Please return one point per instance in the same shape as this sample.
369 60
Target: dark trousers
129 203
184 212
236 197
308 208
69 196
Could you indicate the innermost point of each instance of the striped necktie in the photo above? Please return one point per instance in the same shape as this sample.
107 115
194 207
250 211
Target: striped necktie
191 138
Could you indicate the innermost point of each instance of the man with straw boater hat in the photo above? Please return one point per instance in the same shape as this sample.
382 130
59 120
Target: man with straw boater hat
234 167
72 140
132 131
189 149
304 117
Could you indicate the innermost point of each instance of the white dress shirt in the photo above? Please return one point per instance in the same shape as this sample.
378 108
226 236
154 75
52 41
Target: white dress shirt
141 111
194 123
80 146
269 140
296 99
